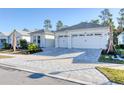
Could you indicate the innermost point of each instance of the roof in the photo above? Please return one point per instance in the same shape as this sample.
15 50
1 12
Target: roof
4 34
82 25
25 33
42 31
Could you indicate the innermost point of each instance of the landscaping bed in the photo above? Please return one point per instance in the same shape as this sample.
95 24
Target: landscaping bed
114 75
10 51
108 58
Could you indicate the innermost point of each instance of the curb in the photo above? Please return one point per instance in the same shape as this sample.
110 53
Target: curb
47 74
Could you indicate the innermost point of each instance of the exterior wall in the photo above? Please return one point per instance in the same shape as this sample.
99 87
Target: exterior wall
120 39
26 38
104 31
18 37
49 40
45 40
3 38
34 39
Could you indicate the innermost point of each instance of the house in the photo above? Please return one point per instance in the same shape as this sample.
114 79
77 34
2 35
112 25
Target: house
43 38
82 35
120 38
3 39
19 35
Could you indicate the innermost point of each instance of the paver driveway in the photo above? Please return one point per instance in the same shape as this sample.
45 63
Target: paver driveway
61 67
78 55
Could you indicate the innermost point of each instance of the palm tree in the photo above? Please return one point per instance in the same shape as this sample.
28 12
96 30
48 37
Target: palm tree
111 48
14 40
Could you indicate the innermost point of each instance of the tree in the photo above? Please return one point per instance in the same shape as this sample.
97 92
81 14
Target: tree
121 20
105 16
111 48
47 24
96 21
59 25
14 40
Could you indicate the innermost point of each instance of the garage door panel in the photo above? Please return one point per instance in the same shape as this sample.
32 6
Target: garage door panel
87 42
63 42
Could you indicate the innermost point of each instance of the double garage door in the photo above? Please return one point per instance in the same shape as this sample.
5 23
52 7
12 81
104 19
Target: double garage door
80 41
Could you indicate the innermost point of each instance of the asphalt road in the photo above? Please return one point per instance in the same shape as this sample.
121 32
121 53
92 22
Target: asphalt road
10 76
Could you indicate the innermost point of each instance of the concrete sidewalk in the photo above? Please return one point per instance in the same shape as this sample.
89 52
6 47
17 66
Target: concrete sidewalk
84 73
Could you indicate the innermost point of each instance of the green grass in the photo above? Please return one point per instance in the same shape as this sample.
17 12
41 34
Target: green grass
108 58
2 57
10 51
114 75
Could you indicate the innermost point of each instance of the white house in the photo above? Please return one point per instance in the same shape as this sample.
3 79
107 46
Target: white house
43 38
19 35
120 38
3 39
83 35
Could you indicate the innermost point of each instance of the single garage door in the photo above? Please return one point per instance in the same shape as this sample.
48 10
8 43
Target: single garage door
88 41
63 41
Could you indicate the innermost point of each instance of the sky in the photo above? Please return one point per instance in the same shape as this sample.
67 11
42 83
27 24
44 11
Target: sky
33 18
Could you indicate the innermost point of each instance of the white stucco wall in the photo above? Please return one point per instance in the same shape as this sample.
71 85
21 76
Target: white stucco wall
104 38
18 37
120 39
46 40
2 36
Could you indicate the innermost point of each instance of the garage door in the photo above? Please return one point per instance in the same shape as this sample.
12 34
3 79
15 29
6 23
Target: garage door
89 41
63 41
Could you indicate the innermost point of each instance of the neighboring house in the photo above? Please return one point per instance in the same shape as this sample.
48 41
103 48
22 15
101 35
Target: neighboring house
3 39
83 35
19 35
120 38
43 38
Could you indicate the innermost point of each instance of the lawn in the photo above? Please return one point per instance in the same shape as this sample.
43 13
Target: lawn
108 58
2 57
10 51
114 75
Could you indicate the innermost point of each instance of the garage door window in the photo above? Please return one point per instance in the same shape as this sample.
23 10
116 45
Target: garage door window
60 36
97 34
74 35
81 35
89 34
66 36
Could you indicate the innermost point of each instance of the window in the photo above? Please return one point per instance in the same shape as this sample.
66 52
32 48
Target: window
65 35
38 38
74 35
98 34
3 40
81 35
61 36
34 39
89 34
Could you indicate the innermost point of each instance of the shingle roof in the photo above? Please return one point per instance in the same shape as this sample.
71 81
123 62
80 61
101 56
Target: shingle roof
42 31
82 25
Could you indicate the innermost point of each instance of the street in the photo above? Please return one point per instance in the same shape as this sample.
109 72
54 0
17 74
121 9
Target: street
10 76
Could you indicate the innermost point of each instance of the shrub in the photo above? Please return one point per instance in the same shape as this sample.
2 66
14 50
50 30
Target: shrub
33 48
6 46
23 44
121 46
